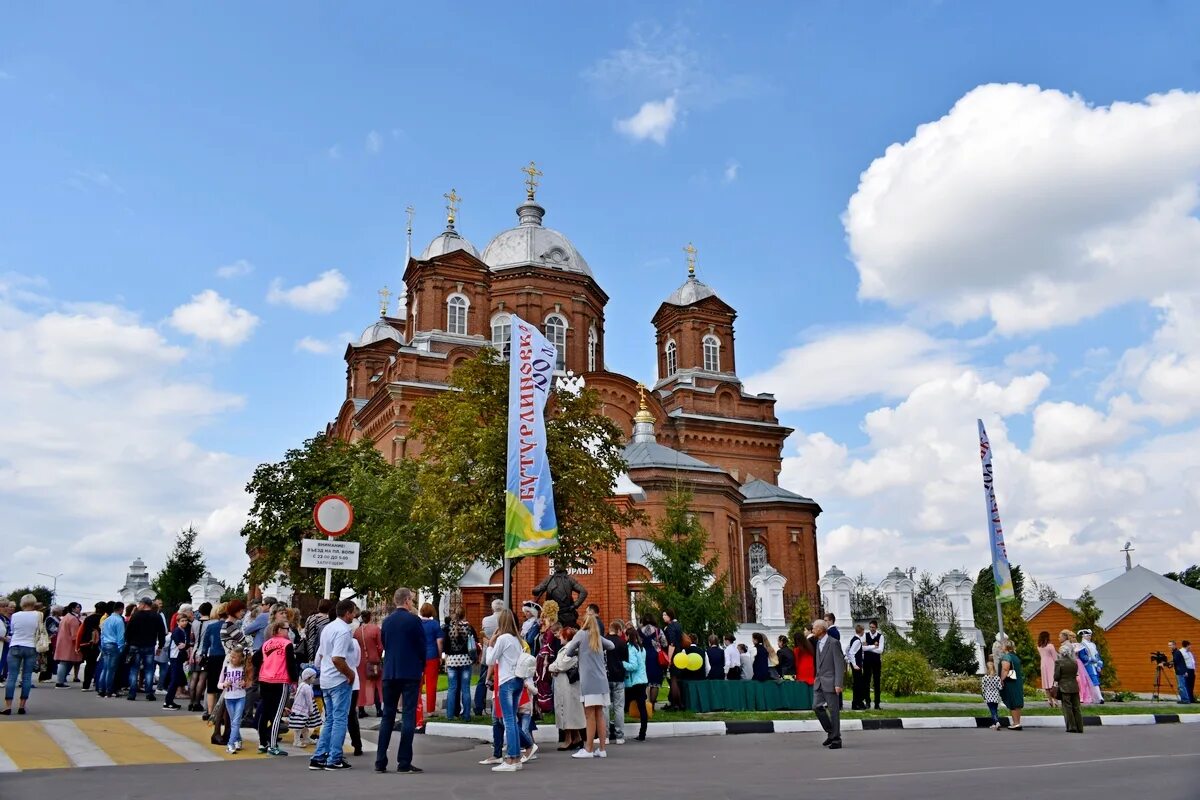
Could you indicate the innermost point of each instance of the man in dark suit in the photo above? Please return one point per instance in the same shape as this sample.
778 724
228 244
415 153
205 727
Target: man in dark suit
830 669
403 667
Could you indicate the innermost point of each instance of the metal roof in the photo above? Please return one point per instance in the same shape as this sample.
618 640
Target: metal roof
653 454
759 491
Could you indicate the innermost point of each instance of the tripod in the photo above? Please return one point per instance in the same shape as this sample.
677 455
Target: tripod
1158 672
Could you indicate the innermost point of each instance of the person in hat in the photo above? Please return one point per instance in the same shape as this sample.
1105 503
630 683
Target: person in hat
1093 663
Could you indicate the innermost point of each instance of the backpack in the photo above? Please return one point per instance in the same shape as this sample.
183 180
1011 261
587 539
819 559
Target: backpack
526 665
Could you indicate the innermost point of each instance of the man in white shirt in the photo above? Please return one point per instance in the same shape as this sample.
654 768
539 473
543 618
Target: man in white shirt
854 660
489 630
337 679
873 659
1189 659
733 660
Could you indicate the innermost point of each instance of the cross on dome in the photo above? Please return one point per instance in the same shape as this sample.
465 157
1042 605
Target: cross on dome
452 200
384 294
691 259
531 182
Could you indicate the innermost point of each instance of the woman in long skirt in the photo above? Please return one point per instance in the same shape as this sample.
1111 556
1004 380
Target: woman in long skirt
548 646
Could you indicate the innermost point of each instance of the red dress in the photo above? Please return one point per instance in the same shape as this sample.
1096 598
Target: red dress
805 666
370 640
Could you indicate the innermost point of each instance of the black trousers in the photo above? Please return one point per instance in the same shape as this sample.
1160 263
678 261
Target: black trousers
872 671
637 694
352 723
861 696
274 698
90 654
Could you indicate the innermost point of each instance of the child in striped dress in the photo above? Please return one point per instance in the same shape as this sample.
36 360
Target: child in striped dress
990 686
305 716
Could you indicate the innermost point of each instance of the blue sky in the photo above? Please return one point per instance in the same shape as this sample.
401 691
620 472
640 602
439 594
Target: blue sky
147 147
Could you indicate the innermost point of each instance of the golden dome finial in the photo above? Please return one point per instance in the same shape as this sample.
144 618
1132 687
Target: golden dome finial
691 259
384 294
452 199
531 183
643 415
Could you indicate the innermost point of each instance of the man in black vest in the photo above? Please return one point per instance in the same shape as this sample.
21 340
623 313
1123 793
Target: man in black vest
854 657
873 659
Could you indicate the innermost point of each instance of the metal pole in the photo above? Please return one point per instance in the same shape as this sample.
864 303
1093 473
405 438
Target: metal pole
999 622
507 583
328 576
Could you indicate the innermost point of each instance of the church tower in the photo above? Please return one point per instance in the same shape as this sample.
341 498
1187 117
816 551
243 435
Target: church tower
694 333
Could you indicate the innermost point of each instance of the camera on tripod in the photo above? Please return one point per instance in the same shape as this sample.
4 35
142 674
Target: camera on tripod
1159 658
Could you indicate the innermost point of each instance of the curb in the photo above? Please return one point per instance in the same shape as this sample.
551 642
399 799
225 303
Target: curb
665 730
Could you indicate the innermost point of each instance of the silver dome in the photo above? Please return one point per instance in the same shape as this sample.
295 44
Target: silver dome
379 331
530 243
447 242
692 291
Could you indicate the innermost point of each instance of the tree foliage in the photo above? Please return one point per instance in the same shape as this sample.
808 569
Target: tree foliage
183 567
1189 576
284 494
685 572
463 464
43 594
1087 615
801 614
955 654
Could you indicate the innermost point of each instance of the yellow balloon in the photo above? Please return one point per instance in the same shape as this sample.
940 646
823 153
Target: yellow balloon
695 661
681 660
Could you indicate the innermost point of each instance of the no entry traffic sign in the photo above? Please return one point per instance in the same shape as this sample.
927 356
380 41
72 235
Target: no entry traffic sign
333 515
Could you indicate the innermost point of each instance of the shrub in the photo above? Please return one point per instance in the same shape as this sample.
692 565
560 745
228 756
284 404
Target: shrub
906 672
955 682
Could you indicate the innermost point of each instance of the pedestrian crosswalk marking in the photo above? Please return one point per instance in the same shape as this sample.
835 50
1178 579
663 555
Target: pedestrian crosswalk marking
127 743
80 749
7 764
29 747
181 746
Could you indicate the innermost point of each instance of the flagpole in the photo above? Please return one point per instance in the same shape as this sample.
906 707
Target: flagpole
508 583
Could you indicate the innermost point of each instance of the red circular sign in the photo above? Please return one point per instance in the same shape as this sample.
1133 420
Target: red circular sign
333 515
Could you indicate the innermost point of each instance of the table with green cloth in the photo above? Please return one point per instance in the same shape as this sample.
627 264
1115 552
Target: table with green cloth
748 695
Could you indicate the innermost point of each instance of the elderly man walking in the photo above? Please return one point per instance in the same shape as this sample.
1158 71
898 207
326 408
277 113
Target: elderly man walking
830 668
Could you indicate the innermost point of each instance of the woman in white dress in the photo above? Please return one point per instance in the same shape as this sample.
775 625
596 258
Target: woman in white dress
568 704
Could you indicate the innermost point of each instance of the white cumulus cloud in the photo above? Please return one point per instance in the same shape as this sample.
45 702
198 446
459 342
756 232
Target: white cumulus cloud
374 143
653 121
237 269
308 344
212 318
321 295
1032 208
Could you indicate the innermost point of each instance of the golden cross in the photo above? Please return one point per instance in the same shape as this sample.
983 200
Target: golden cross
691 258
410 211
384 294
531 183
642 396
451 206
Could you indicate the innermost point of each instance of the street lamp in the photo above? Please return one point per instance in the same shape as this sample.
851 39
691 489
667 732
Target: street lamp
54 588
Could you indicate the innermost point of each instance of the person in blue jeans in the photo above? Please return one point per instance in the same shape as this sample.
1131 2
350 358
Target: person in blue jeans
334 653
23 628
145 635
503 652
403 667
457 649
112 644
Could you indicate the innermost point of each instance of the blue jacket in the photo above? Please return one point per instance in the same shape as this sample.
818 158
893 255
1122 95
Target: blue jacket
210 640
257 627
113 631
635 667
403 646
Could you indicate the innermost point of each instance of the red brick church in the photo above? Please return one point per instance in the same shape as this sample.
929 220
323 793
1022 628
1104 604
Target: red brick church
695 422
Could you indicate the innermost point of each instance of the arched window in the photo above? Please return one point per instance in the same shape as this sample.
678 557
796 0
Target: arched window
593 347
502 335
556 332
757 553
712 354
672 358
456 314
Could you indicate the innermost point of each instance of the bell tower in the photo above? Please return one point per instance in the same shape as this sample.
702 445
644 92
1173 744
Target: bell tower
694 332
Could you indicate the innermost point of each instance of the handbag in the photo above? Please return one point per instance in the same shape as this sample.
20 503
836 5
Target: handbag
41 639
372 670
1052 693
573 674
663 661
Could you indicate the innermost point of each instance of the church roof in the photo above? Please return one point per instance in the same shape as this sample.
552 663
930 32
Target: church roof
692 291
759 491
653 454
377 332
448 241
532 244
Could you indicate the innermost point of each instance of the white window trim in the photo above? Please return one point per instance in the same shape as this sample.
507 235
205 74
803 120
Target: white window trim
593 348
704 351
667 357
504 317
566 327
466 311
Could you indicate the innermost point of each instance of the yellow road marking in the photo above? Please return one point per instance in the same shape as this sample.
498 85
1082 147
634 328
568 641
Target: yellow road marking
195 729
125 744
30 747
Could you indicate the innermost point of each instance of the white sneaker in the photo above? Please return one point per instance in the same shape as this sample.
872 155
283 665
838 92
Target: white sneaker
619 741
532 752
582 754
506 767
231 749
601 754
491 761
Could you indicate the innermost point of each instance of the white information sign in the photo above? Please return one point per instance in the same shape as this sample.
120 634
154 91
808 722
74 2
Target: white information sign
324 554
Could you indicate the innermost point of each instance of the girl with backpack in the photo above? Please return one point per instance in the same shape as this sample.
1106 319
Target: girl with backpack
277 669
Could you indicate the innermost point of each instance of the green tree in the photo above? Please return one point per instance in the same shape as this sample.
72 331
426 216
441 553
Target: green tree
984 600
184 567
231 592
43 594
1189 576
463 465
954 654
924 635
801 618
685 572
1087 615
282 513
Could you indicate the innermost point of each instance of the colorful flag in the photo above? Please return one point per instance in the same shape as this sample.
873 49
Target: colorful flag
1000 570
530 524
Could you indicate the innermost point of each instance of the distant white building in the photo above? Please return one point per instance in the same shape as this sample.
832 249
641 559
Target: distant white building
137 583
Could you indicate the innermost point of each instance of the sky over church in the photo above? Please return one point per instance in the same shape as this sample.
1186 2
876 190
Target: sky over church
923 212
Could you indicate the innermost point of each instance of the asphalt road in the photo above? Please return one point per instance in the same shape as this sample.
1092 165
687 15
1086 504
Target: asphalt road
1162 761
